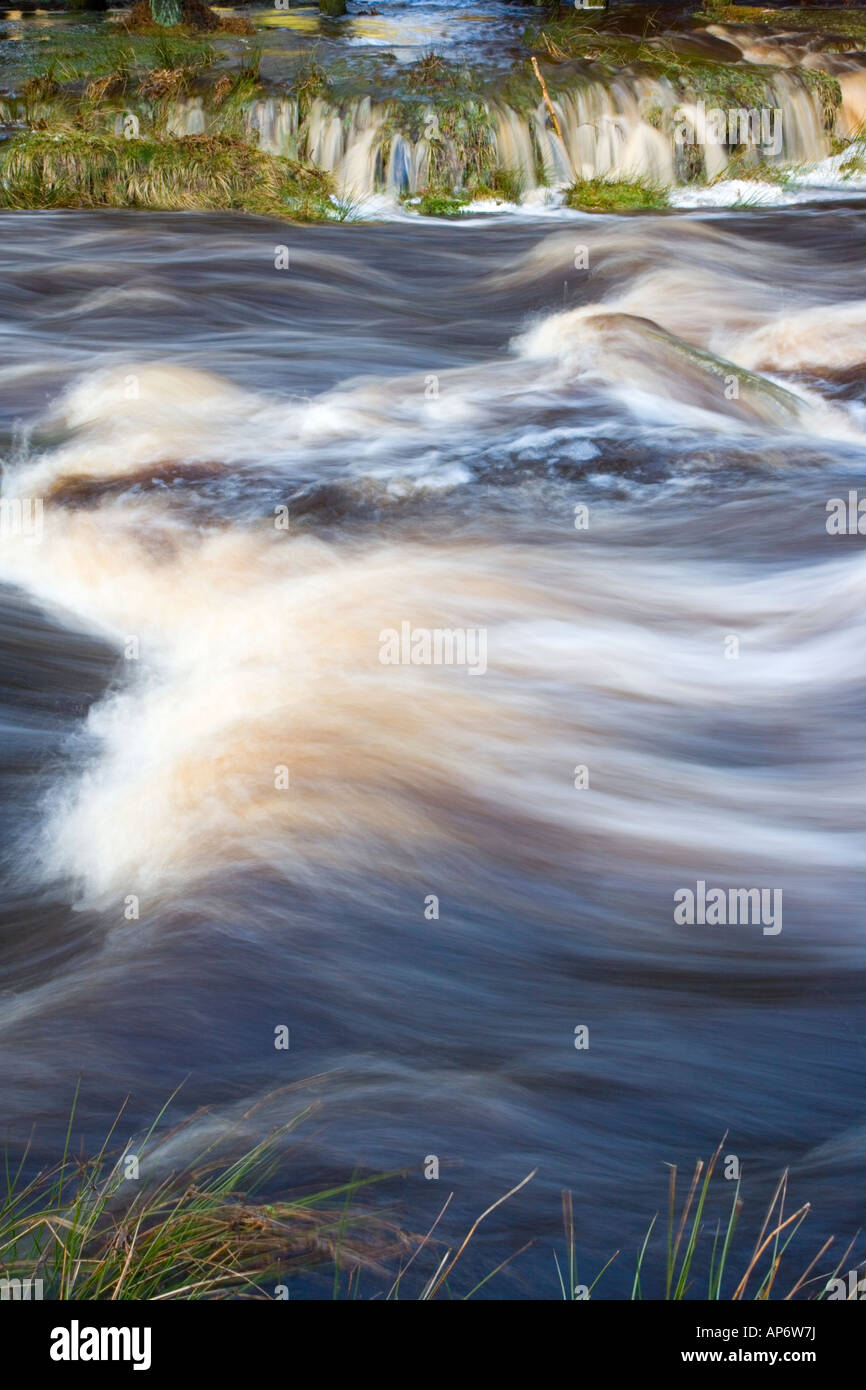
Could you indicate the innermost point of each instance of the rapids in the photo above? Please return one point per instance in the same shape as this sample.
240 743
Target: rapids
245 475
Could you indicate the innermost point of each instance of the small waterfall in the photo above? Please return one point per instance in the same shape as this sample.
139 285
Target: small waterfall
608 132
625 127
852 113
408 165
187 118
275 124
514 145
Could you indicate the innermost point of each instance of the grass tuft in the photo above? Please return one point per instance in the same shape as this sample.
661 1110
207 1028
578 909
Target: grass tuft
75 170
434 203
111 1228
621 195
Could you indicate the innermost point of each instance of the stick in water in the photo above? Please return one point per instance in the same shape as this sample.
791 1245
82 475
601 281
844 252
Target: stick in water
547 100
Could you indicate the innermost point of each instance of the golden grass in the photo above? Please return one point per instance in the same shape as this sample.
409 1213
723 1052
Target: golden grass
198 172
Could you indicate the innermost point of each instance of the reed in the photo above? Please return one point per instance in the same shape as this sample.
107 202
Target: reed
697 1260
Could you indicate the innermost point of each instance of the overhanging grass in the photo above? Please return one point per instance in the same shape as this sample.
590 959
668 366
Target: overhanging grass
620 195
198 172
741 166
104 1229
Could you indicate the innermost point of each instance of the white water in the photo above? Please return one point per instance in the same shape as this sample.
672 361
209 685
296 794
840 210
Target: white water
624 128
166 389
260 649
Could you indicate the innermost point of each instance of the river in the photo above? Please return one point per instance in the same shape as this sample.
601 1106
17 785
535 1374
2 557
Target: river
224 813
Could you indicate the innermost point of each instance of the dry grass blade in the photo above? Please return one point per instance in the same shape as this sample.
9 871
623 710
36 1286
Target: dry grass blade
440 1280
759 1249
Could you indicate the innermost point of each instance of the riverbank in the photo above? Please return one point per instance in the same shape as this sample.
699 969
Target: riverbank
95 115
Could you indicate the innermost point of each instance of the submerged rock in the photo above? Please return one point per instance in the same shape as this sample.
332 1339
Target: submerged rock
635 355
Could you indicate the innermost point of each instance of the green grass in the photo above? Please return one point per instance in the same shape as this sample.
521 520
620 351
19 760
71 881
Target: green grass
746 166
434 75
589 38
507 185
615 195
855 166
127 1224
76 56
483 181
434 204
75 170
93 1229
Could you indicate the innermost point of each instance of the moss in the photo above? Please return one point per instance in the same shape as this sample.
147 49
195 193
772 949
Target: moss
74 170
624 195
722 84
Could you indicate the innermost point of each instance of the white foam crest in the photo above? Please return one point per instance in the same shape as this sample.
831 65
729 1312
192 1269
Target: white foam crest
258 651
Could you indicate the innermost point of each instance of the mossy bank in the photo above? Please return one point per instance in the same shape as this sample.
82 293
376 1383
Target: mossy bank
586 106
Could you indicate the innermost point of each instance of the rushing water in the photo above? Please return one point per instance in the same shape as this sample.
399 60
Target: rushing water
622 125
613 128
432 404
